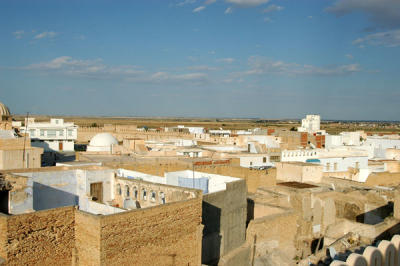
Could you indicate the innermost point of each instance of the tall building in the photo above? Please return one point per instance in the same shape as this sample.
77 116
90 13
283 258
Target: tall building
310 124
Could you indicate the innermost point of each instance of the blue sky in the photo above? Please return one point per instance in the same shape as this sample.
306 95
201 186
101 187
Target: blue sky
202 58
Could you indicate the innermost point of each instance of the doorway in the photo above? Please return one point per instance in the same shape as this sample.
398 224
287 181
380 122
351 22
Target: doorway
4 201
60 146
96 191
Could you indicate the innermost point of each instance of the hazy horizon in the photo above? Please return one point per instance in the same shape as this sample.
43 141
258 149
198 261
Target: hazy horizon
202 58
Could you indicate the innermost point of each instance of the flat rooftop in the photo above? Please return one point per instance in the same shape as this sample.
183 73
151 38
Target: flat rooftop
296 185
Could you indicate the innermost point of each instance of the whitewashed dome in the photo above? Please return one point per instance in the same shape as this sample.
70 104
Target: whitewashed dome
103 140
4 111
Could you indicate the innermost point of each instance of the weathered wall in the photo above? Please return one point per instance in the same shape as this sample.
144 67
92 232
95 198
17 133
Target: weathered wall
299 172
162 235
224 219
87 238
41 238
3 235
276 231
13 158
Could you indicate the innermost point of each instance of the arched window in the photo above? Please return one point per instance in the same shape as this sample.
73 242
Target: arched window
153 196
144 194
119 192
127 190
135 192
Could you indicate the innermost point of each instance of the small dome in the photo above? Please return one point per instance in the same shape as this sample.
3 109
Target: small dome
103 140
4 111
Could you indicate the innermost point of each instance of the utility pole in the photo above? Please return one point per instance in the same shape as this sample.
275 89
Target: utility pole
26 129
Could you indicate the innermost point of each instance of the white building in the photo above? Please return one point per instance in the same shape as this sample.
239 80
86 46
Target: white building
310 124
333 160
255 160
220 132
343 139
55 135
208 183
193 130
102 142
377 145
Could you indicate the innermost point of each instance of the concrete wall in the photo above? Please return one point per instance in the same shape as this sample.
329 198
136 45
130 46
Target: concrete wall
224 219
13 158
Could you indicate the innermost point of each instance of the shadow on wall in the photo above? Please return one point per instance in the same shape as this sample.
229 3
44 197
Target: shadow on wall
376 216
388 234
211 243
250 211
46 197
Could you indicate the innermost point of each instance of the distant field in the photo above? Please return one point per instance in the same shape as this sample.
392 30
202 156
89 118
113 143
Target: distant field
225 123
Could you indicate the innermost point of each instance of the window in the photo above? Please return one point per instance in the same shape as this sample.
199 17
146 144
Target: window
264 159
153 196
51 133
32 132
127 190
335 166
42 133
70 131
144 194
119 192
251 163
135 192
61 133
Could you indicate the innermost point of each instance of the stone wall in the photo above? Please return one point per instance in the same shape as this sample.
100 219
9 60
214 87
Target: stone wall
163 235
40 238
273 232
87 238
168 234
